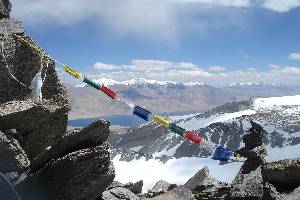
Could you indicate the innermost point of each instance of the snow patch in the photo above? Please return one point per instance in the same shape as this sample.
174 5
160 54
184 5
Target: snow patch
268 103
195 124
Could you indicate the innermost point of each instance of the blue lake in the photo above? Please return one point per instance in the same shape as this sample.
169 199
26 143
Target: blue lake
122 120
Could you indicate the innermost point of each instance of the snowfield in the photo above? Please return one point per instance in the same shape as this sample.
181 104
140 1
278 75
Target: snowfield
180 170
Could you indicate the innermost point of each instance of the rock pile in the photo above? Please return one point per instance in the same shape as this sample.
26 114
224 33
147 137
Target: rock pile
40 157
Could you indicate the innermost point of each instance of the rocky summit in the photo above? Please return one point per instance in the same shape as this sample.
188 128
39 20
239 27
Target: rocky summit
38 155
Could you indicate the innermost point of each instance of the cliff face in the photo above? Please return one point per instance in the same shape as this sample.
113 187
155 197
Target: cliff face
37 153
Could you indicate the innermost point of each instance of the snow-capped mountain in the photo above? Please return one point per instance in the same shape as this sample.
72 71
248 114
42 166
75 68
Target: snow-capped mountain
225 126
167 96
241 84
139 81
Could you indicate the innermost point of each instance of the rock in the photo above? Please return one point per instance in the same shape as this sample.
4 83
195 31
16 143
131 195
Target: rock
250 181
83 174
214 192
248 184
179 193
94 134
115 184
118 193
137 187
201 179
5 8
255 153
40 123
284 174
255 138
294 195
10 26
13 157
160 188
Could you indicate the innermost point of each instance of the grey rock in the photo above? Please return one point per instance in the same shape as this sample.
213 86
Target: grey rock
13 157
94 134
250 181
10 26
119 193
214 192
137 187
255 153
160 188
179 193
201 179
294 195
115 184
40 123
284 174
80 175
248 184
255 138
5 8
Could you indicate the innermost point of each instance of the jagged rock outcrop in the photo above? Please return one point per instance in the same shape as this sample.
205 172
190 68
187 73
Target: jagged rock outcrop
249 182
160 188
43 160
205 186
136 187
42 122
201 179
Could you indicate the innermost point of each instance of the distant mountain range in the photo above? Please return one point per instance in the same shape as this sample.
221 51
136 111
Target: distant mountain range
166 96
224 125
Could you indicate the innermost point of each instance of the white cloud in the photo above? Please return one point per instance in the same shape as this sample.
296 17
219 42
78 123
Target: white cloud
103 66
216 68
294 56
164 20
189 72
281 5
161 20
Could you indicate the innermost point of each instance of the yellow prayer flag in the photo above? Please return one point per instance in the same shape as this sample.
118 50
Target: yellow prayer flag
161 120
72 72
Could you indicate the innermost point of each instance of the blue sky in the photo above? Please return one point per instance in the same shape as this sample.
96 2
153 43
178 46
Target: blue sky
212 41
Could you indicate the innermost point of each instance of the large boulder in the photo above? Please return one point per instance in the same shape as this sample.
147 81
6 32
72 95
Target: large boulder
284 174
79 175
5 8
201 179
77 166
178 193
40 123
94 134
13 157
118 193
160 188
